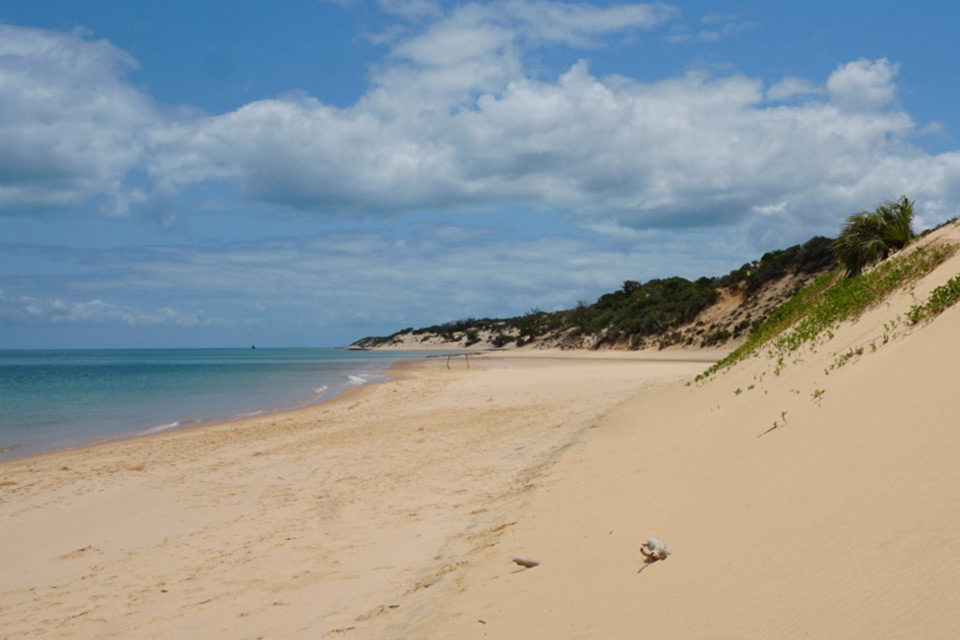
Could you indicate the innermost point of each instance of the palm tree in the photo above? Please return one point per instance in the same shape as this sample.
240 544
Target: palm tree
867 237
897 217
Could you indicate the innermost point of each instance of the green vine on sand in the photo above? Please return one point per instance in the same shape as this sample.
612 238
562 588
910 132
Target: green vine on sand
817 309
941 298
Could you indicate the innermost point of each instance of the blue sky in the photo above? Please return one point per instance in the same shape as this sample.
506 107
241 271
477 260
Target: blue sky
309 172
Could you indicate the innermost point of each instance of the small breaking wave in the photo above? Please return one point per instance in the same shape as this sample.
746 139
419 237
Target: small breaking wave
157 429
358 380
9 448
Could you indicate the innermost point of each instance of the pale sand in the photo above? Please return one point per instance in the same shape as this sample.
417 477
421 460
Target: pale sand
842 522
320 521
395 512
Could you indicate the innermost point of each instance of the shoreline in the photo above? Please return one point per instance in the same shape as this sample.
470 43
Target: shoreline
705 356
211 420
391 372
212 527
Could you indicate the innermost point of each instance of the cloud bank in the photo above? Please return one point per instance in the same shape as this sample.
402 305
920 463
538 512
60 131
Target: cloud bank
95 311
456 120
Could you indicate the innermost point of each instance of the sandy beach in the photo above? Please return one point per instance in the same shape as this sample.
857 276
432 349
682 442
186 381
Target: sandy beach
801 499
301 524
479 320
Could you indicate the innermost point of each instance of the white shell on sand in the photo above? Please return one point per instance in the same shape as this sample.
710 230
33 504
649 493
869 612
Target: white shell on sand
655 549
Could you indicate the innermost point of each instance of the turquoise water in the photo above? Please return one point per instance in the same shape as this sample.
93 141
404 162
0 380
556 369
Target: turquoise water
58 399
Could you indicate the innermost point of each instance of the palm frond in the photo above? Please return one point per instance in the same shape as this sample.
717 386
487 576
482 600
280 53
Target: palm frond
868 237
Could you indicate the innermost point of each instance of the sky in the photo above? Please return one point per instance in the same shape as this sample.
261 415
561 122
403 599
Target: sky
309 172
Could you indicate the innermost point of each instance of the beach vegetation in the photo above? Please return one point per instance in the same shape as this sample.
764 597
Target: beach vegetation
501 340
472 336
650 308
834 284
639 313
940 299
813 313
868 237
656 308
833 280
580 316
813 256
843 358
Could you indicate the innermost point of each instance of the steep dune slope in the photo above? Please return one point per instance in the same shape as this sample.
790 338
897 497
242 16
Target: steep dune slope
818 497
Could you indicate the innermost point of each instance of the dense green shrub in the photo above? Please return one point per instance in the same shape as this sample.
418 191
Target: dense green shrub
501 340
814 256
868 237
650 308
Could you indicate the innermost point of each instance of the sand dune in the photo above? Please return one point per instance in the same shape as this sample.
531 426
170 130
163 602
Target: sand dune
841 522
799 500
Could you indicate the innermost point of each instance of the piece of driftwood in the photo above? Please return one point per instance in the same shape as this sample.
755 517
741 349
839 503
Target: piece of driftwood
654 550
526 562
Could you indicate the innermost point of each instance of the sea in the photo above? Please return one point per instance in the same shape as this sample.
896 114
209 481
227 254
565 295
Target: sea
60 399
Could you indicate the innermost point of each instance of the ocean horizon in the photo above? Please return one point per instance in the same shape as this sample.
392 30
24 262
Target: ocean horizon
53 399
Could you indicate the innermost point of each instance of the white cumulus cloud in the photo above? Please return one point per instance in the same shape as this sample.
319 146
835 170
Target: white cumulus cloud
454 120
792 87
864 84
689 151
71 126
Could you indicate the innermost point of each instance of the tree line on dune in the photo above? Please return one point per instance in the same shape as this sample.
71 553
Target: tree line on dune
641 310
